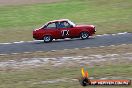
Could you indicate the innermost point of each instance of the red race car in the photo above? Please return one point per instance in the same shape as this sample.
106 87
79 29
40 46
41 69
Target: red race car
64 28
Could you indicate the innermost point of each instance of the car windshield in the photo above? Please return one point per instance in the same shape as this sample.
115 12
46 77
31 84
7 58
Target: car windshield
72 23
44 25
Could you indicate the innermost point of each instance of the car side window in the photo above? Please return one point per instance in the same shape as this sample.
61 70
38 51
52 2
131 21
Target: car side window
64 24
51 26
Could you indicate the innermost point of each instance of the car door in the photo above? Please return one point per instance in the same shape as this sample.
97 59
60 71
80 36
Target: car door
67 30
51 29
73 32
63 26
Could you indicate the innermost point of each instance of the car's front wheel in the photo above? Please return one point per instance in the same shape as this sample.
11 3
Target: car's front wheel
84 35
47 38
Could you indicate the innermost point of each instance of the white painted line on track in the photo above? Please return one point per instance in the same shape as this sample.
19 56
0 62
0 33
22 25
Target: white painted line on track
5 43
112 45
53 50
122 33
106 34
123 44
113 34
19 42
87 47
27 52
99 35
76 48
15 53
66 49
3 54
39 51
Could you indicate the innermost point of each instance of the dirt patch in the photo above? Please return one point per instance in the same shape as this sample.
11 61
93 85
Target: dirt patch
89 60
19 2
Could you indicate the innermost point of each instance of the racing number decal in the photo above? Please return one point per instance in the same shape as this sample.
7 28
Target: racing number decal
65 32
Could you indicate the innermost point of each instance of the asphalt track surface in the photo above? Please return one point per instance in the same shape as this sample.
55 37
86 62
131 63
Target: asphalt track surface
100 40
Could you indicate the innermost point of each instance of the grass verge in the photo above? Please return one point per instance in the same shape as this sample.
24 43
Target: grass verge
17 22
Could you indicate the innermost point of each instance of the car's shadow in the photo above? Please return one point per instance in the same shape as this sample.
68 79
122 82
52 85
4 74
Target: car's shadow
61 40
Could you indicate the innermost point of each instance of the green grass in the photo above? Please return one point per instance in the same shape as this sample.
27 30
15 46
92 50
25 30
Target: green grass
28 78
17 22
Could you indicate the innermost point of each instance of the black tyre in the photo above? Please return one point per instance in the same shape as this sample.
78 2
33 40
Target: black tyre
84 35
47 38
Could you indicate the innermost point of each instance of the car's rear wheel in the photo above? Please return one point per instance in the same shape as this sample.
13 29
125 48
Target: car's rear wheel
84 35
47 38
